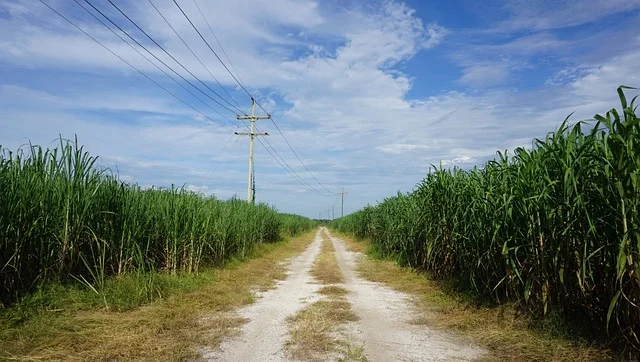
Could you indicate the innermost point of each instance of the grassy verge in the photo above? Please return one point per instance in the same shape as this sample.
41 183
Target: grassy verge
317 331
194 312
507 333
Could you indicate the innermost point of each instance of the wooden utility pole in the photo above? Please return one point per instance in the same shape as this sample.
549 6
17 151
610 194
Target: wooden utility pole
252 134
342 201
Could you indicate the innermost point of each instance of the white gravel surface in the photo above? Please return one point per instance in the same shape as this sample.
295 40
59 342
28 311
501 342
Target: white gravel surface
384 328
264 336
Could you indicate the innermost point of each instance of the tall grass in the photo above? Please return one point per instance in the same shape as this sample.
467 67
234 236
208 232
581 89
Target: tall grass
555 228
62 217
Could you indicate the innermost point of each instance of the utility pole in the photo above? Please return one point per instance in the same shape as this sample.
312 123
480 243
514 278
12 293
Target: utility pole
252 134
333 214
342 199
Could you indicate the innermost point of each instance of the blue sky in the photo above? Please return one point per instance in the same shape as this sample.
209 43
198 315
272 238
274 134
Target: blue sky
368 93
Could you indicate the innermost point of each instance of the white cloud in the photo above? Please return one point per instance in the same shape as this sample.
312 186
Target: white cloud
333 85
391 36
203 189
485 75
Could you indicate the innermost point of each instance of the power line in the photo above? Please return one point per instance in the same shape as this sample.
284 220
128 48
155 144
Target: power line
291 173
296 154
146 76
151 62
289 170
194 54
219 156
218 41
284 164
126 62
158 59
210 48
280 160
175 60
243 87
311 188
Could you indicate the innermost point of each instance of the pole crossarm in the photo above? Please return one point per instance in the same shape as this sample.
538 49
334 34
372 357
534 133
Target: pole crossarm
249 134
253 117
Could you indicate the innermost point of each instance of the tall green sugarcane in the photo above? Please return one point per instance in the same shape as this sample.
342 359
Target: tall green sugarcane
554 228
63 218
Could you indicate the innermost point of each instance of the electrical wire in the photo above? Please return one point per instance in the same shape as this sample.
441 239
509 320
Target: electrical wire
246 91
218 41
287 168
156 57
301 181
210 48
152 63
294 172
283 163
129 64
174 59
195 55
296 154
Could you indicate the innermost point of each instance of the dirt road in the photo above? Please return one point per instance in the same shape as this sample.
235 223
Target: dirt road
384 329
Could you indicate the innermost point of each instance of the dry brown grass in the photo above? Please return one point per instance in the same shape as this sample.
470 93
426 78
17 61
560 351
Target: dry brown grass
333 291
313 330
325 268
316 330
500 329
172 329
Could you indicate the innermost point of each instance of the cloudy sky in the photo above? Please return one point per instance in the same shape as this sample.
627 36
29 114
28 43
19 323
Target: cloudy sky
369 94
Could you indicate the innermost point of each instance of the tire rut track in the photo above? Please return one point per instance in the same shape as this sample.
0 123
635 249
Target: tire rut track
385 321
264 336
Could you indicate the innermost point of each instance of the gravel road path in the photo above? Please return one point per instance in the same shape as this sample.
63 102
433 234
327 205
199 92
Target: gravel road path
384 328
385 321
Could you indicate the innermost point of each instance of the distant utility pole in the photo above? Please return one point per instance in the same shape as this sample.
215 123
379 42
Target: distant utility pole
333 214
252 134
342 199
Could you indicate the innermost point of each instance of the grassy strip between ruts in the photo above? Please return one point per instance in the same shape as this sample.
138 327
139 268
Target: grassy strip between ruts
325 268
316 332
509 335
173 328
